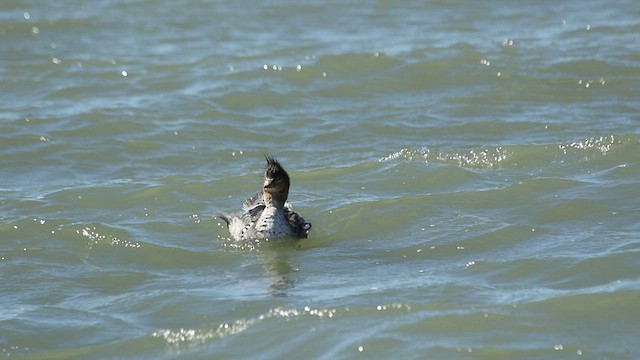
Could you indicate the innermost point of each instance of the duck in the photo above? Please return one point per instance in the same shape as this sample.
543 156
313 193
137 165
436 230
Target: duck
268 214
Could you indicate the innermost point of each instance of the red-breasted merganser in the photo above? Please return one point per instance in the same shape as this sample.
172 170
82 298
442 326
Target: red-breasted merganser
268 215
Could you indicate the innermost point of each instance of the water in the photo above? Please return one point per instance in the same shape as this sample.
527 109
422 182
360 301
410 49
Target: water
471 171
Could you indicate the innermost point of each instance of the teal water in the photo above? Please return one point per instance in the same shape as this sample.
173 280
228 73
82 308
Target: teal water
471 170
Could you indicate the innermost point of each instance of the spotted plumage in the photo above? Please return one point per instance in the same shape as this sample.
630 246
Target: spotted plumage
268 215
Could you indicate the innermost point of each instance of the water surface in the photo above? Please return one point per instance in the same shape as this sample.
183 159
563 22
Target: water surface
471 171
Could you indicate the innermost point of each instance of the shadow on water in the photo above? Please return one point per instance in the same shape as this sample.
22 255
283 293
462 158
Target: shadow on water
276 258
276 263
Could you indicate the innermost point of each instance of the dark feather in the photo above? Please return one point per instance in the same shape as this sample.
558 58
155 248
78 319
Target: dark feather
297 223
224 217
274 170
252 201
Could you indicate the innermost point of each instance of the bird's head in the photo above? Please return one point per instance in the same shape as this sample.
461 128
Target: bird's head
276 180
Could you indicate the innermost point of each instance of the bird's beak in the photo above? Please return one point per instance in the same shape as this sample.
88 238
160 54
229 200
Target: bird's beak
268 183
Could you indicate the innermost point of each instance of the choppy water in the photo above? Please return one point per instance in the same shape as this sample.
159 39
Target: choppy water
471 170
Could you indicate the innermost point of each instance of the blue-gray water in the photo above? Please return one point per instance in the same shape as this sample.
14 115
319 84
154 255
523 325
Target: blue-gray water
472 171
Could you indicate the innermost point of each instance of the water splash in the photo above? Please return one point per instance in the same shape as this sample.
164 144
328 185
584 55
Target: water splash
191 337
95 238
483 158
517 155
199 336
602 144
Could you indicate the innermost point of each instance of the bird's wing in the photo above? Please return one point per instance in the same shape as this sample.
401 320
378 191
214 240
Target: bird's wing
297 223
258 199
